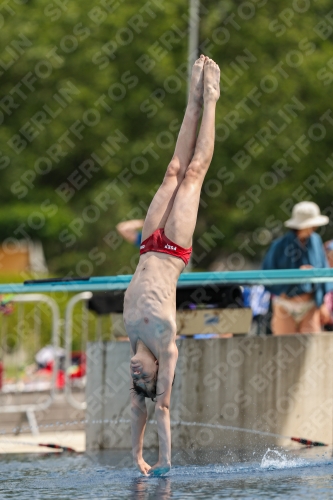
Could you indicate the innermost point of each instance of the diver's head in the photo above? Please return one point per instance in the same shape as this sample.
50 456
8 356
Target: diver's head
144 371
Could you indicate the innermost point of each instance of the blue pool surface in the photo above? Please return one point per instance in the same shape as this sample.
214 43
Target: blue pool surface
272 474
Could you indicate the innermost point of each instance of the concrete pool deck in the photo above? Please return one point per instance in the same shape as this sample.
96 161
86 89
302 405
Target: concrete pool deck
10 444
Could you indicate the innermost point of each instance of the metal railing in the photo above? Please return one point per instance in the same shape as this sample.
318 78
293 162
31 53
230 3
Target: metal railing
39 298
84 296
30 408
105 283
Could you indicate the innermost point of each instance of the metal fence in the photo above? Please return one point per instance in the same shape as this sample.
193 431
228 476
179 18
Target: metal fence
35 320
11 333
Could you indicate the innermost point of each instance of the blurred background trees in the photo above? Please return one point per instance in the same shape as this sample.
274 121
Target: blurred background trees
92 100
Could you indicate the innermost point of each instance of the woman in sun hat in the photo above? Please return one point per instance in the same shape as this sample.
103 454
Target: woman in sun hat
296 308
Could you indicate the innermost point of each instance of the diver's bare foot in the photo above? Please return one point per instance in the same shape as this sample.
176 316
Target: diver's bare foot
197 81
211 80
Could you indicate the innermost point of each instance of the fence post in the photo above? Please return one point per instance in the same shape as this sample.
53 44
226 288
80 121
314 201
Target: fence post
80 405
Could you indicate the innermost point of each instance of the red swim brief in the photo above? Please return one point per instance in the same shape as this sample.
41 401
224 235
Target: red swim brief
158 242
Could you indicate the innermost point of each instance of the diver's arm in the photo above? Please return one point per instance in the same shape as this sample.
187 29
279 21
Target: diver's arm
138 424
167 366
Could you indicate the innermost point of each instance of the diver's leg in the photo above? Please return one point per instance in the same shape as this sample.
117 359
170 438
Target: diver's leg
162 202
181 222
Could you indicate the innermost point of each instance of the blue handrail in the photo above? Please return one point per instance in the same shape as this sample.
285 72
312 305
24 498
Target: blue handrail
105 283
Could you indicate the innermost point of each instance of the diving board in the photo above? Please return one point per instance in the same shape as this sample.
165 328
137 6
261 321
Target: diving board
105 283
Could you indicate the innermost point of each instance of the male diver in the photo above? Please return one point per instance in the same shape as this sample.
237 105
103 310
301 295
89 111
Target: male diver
150 300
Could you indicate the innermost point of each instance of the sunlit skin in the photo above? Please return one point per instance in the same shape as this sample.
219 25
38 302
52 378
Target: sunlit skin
150 300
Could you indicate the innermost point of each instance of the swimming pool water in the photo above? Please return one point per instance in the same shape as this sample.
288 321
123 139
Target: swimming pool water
274 474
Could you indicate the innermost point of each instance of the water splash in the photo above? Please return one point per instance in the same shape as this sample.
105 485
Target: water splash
274 459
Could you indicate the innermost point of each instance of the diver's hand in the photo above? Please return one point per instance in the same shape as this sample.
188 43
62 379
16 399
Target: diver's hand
142 465
160 468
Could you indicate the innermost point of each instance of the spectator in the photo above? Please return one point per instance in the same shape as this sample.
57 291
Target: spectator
296 308
258 298
327 310
130 230
46 356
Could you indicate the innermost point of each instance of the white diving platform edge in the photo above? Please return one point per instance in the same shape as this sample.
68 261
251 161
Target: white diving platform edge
105 283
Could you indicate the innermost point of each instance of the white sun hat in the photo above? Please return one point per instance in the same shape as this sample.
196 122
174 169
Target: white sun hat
306 214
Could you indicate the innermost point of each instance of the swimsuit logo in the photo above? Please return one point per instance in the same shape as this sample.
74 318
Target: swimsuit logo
142 246
170 247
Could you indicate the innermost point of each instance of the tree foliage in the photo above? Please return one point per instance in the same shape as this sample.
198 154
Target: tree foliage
93 98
